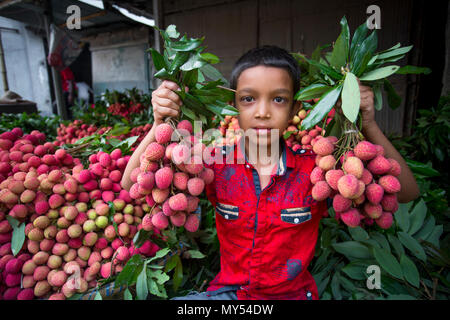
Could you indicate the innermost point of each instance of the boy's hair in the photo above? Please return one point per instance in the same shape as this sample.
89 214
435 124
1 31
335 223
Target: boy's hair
270 56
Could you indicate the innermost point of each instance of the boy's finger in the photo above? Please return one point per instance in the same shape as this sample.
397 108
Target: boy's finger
168 94
168 112
163 102
170 85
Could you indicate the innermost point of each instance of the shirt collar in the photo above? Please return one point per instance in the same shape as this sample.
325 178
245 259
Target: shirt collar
286 160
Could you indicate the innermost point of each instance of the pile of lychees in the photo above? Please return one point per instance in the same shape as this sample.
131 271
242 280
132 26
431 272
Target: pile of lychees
171 176
78 222
77 130
362 182
304 139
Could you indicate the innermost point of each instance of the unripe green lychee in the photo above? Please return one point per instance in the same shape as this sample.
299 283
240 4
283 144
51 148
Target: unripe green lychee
101 222
89 225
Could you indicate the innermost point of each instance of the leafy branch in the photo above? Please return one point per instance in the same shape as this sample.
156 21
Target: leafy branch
184 62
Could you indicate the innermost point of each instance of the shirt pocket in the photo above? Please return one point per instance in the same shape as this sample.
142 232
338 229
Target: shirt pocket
227 211
296 215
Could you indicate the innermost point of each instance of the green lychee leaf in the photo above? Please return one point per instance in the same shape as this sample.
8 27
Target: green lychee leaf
160 276
195 254
351 97
159 254
98 296
18 235
388 262
410 271
127 295
178 274
141 284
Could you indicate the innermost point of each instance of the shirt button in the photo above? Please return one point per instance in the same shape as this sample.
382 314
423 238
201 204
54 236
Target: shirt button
308 294
226 216
296 220
247 166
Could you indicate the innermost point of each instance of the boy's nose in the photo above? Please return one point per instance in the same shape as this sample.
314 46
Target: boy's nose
263 110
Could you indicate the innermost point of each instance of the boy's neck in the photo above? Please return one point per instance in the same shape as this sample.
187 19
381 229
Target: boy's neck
263 156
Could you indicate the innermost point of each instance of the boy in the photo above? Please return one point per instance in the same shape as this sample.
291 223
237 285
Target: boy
267 222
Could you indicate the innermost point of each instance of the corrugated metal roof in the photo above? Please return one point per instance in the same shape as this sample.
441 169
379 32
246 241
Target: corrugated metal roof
94 20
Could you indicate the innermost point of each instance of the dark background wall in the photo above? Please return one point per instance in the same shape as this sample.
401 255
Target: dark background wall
233 27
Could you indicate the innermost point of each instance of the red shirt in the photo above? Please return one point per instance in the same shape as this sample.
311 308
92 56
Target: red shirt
66 76
267 237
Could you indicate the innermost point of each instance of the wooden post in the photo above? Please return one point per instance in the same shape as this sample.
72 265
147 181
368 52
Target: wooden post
158 16
3 66
60 103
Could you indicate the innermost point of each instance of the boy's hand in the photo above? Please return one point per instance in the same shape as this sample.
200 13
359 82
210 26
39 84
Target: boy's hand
165 102
367 106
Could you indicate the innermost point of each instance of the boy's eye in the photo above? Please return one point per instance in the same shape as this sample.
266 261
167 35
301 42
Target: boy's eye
280 99
247 99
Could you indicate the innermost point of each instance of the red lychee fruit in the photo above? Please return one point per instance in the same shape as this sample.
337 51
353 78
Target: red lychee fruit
160 220
192 223
351 217
354 166
341 204
163 177
323 147
379 165
180 154
385 220
332 177
327 162
320 191
317 174
163 133
365 150
154 151
374 193
389 202
373 210
178 202
348 186
178 219
390 184
186 125
195 186
396 169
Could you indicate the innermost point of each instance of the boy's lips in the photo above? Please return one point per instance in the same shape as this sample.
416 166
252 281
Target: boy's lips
262 130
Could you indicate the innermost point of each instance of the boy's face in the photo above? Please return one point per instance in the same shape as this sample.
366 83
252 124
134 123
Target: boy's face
264 98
